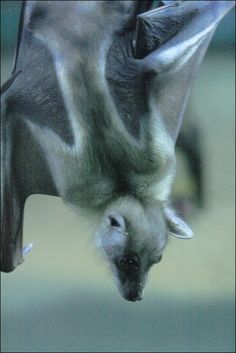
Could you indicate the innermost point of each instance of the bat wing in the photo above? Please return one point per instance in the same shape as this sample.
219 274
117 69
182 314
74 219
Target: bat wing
35 101
172 40
27 96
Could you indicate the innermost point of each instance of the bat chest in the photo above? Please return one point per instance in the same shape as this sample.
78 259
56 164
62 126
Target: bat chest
97 178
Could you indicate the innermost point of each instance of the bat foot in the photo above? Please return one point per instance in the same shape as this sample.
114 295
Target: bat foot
27 248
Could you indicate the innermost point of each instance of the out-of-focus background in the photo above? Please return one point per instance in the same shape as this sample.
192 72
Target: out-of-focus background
63 299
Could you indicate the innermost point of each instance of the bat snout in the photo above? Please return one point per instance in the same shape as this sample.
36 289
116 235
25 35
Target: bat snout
132 293
133 296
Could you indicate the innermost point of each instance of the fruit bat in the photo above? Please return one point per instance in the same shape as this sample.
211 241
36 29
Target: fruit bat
91 113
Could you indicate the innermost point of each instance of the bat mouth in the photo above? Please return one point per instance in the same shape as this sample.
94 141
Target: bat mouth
133 296
130 290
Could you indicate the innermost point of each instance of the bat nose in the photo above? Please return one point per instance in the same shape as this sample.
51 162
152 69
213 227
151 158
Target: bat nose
133 296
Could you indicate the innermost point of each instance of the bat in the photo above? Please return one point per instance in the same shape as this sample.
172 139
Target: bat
91 113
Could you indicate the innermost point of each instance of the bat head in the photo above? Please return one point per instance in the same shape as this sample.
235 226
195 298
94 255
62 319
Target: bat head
133 237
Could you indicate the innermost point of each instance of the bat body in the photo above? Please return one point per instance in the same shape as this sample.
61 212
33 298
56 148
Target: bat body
92 113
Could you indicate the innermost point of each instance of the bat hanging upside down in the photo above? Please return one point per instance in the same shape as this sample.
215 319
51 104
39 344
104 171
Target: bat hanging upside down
92 112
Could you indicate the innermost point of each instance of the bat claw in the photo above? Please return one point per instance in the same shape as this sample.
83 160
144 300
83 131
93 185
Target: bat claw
27 248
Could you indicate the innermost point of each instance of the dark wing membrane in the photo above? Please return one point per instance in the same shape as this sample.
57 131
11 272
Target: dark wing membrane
19 36
9 82
172 41
158 26
24 166
24 171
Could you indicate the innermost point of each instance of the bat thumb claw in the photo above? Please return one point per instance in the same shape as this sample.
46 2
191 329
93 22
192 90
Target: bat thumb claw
27 248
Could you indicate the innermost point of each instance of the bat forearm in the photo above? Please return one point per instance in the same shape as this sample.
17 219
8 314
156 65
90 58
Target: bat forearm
12 206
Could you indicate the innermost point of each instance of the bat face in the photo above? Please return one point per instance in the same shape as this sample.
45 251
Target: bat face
133 237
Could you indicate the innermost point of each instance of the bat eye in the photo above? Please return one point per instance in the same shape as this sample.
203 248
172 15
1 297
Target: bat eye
128 264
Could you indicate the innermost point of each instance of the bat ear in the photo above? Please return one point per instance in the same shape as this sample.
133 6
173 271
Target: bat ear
176 226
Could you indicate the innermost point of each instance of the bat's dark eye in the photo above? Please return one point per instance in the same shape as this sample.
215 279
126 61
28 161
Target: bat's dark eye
114 222
128 264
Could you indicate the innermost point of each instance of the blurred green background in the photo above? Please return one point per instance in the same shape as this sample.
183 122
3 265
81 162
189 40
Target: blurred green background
63 299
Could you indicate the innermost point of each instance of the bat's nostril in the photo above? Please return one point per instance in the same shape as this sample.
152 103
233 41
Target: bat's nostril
134 296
